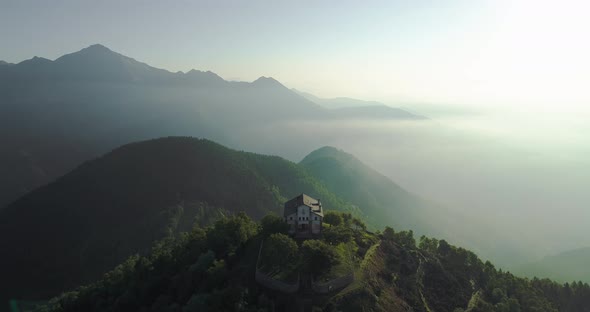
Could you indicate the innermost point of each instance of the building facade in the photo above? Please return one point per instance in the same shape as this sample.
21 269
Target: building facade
304 215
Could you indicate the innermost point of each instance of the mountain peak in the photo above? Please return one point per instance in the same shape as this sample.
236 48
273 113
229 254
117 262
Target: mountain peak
202 73
35 60
95 50
267 82
328 152
98 62
205 77
97 47
92 54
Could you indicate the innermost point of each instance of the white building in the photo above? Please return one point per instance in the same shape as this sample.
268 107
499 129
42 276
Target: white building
304 216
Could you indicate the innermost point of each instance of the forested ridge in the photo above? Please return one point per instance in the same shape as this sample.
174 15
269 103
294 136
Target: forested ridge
88 221
212 269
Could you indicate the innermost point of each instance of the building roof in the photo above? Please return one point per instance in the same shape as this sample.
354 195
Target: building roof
305 200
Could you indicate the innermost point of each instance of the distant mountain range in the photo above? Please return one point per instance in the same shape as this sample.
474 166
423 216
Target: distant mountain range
345 107
56 114
339 102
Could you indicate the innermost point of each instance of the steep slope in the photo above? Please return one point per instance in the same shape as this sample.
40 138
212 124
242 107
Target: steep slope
564 267
74 229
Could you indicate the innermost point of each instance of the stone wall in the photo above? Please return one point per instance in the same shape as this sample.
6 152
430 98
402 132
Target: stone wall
332 285
275 284
271 283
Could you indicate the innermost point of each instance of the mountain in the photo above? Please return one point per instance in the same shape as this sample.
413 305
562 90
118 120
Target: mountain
343 107
376 112
564 267
214 269
95 63
384 203
73 230
55 114
3 63
204 78
339 102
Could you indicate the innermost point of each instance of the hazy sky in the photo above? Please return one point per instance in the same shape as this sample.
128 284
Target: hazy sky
519 53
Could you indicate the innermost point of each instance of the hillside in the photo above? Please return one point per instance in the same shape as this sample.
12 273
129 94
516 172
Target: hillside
357 183
563 267
74 229
212 269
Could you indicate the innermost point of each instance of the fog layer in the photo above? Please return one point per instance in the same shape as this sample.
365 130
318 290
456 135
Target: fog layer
520 178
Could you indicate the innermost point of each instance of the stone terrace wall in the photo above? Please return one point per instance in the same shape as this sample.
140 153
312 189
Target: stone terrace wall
271 283
275 284
335 284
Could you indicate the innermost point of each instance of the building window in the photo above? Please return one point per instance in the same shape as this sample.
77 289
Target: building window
316 218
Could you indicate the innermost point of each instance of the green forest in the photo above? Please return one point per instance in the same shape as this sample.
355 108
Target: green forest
212 269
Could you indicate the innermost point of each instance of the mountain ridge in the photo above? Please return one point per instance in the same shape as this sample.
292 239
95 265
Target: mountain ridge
385 202
98 54
345 107
85 103
119 204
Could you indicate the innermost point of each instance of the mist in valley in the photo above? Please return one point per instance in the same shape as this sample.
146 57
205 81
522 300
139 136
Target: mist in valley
518 179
